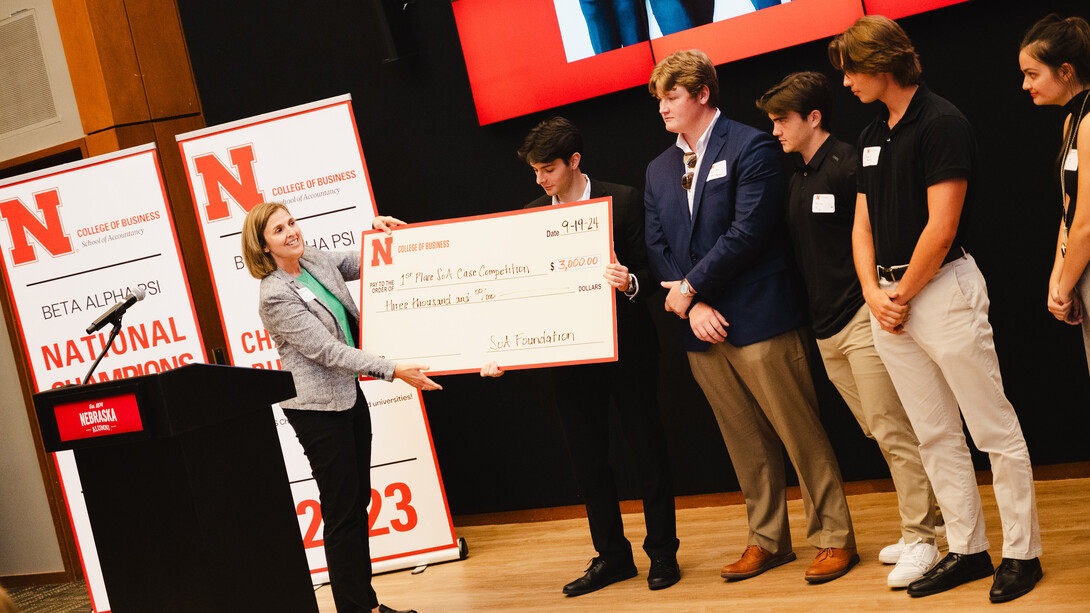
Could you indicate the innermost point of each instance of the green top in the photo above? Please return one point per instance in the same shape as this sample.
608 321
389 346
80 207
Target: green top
331 302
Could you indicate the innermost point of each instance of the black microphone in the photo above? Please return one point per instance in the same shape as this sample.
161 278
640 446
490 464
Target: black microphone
116 311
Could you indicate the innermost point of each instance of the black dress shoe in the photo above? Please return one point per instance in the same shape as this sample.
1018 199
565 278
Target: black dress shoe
664 573
1015 578
952 571
385 609
599 574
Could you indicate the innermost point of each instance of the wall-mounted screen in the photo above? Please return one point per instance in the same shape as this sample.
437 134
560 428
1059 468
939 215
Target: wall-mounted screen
531 55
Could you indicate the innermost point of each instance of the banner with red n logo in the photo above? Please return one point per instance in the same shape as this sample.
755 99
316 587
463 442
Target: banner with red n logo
74 240
310 159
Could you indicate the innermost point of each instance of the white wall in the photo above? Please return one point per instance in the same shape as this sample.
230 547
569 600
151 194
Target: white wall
28 542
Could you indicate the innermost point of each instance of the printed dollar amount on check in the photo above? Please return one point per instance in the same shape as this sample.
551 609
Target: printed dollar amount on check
523 289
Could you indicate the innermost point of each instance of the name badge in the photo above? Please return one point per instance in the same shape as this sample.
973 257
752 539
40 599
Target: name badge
870 156
718 170
306 294
1072 162
824 203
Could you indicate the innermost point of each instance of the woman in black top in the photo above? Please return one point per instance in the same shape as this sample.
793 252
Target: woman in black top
1055 59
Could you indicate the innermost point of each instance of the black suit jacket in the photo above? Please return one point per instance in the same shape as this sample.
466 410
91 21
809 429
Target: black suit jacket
636 339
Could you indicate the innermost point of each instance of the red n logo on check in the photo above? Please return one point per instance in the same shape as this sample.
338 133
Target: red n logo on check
219 179
23 223
379 250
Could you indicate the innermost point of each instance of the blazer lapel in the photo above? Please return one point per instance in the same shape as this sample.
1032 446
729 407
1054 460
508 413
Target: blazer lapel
678 196
716 140
323 273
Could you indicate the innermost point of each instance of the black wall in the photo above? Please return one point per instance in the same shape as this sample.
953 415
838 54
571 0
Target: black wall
498 441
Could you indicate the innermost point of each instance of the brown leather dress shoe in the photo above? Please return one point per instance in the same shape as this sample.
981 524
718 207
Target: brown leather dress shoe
755 560
831 563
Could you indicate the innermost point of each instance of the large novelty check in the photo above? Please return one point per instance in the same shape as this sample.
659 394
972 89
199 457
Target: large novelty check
524 289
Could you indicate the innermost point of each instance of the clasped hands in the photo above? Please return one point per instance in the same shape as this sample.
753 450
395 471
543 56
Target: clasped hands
1067 308
889 309
707 323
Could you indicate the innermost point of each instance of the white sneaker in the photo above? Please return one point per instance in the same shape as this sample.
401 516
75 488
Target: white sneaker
916 559
891 554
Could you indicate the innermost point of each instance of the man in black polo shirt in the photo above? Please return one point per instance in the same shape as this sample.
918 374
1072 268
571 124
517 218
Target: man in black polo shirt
820 212
929 307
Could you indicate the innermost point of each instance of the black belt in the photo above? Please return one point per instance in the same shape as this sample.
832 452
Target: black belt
894 273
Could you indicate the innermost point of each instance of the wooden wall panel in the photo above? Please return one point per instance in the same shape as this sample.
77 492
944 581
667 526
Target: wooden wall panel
102 62
115 139
164 60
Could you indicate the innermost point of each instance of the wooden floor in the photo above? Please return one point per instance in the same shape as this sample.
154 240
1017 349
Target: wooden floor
521 567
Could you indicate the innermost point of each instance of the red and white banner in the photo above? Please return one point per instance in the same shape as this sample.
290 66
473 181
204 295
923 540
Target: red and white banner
76 238
310 159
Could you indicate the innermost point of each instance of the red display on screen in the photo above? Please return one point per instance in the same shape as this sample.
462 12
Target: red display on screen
895 9
98 417
518 62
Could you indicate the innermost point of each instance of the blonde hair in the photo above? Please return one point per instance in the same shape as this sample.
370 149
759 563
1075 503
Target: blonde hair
258 261
690 69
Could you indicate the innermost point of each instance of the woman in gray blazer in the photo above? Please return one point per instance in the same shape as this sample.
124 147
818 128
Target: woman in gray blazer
306 307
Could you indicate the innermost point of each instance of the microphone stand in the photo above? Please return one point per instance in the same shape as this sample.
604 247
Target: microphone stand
116 321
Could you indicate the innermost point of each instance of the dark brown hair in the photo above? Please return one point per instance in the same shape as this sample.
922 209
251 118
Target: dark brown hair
801 92
552 139
1055 41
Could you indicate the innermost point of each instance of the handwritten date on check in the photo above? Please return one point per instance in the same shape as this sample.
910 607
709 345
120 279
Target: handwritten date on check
522 288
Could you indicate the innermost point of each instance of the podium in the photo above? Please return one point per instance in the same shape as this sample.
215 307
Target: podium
186 488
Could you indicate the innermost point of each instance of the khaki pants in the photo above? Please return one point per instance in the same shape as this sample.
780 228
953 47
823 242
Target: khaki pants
945 369
853 365
762 395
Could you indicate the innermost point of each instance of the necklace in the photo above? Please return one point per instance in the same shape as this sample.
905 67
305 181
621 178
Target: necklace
1069 142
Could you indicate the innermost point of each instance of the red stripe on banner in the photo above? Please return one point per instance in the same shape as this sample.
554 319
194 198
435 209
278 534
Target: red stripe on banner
770 29
413 553
438 474
363 160
204 134
75 533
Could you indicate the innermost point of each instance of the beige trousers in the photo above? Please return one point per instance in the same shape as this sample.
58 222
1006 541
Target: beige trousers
945 369
762 395
853 365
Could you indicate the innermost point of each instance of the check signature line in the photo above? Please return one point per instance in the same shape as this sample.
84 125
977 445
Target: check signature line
424 357
544 347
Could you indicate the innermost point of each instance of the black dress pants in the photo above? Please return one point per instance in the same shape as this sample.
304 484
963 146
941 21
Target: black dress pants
338 446
582 395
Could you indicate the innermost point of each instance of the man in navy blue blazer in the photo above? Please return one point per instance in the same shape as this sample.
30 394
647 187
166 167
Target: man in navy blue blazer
716 240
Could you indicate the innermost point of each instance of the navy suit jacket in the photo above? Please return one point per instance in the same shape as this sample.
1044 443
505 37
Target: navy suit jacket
734 248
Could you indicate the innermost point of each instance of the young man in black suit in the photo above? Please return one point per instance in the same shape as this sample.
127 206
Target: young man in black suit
553 150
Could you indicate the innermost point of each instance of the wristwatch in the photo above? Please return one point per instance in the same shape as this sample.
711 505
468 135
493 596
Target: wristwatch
685 289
